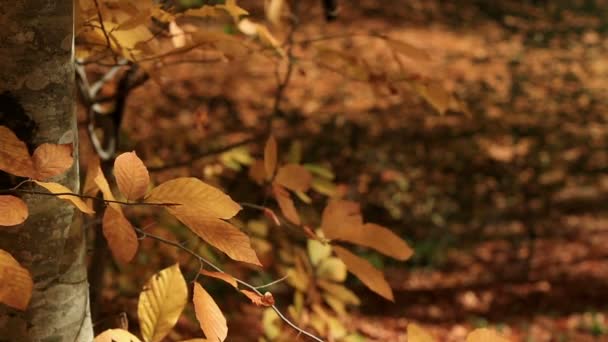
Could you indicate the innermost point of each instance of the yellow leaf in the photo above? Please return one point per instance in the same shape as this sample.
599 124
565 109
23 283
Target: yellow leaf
194 196
132 176
260 300
13 210
271 324
318 251
14 156
205 11
116 335
15 282
415 333
52 160
68 195
340 292
324 186
274 9
221 275
294 177
286 204
120 235
408 50
209 315
220 234
370 276
233 9
485 335
161 302
332 268
102 183
178 36
270 157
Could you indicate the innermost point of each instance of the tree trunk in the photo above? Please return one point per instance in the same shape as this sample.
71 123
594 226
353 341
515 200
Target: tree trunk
37 102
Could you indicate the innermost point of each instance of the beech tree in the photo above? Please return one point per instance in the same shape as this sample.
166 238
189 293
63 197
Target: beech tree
37 103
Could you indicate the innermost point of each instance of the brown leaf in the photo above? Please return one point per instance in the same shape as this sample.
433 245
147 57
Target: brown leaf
435 94
57 188
294 177
220 275
102 183
209 315
13 210
116 335
270 157
132 176
408 50
52 160
220 234
120 235
90 188
370 276
266 300
286 204
14 156
341 215
485 335
15 282
257 171
194 196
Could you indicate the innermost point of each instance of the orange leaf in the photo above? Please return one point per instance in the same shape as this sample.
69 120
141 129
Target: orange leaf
15 282
132 176
408 50
90 188
370 276
220 234
294 177
13 210
415 333
286 204
120 235
209 315
221 275
102 184
485 335
56 188
435 94
270 157
51 160
116 335
266 300
14 156
257 171
341 215
194 196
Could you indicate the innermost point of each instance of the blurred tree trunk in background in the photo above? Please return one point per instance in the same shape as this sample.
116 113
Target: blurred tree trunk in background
37 103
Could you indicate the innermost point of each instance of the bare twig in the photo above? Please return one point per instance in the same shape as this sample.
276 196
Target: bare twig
33 192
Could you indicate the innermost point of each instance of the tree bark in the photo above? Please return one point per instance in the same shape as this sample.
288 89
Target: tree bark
37 102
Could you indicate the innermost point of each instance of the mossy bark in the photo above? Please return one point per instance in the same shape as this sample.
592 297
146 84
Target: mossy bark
37 102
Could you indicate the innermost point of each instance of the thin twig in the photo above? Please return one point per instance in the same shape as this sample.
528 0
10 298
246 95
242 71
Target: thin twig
33 192
239 281
103 28
273 282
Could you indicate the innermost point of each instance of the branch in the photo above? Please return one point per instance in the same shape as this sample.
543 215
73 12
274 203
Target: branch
239 281
33 192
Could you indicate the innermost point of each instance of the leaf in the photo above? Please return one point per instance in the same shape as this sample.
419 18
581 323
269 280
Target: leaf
178 36
266 300
415 333
435 94
116 335
13 210
274 9
102 183
286 204
56 188
209 315
161 302
318 251
485 335
233 9
257 172
90 188
332 268
16 283
370 276
194 196
132 176
409 50
120 235
270 157
221 275
221 235
320 171
14 156
51 160
294 177
340 292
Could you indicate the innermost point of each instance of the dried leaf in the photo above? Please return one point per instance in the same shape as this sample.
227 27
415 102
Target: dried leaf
132 175
90 188
15 282
415 333
266 300
14 156
161 302
102 183
13 210
370 276
257 171
339 292
286 204
51 160
408 50
116 335
435 94
221 275
294 177
194 196
209 315
57 188
120 235
270 157
485 335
